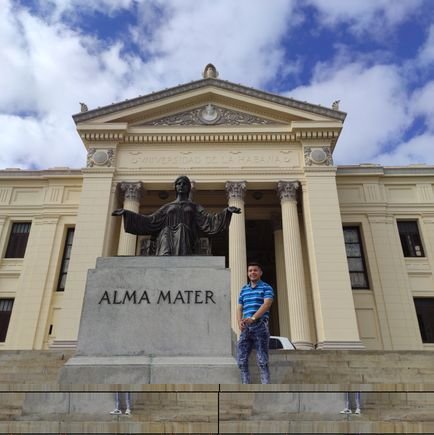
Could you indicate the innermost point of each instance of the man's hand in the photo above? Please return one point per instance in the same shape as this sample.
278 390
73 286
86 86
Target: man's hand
248 321
118 212
242 324
235 210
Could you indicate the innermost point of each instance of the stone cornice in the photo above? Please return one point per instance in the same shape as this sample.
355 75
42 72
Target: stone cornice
220 137
99 136
221 172
43 173
221 84
378 170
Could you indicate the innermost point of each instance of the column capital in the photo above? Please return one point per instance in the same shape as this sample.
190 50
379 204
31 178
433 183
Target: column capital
236 189
287 190
132 191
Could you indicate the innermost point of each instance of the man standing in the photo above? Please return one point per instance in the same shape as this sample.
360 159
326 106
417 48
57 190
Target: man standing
254 305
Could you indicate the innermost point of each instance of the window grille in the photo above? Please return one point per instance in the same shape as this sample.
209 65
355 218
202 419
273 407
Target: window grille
18 240
355 258
5 316
425 316
65 260
410 239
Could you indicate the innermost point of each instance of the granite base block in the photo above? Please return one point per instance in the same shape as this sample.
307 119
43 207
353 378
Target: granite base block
148 370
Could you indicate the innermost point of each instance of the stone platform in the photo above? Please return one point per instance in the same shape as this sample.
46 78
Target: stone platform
155 320
306 397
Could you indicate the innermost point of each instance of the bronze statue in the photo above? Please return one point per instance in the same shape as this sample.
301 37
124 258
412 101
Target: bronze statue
176 225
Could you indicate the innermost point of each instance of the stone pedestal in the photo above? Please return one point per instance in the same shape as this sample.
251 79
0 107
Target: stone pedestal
155 320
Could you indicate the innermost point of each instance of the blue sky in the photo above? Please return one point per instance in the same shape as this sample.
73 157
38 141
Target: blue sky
375 56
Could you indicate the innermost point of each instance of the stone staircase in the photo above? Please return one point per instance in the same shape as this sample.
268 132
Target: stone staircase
287 367
397 396
22 367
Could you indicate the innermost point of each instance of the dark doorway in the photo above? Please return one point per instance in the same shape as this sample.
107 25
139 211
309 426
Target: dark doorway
260 248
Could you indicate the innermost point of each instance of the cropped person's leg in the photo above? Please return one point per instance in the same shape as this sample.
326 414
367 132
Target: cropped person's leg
358 397
116 410
347 409
127 403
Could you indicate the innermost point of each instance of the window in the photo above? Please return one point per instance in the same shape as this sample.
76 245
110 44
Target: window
425 317
410 239
18 240
5 315
65 260
355 258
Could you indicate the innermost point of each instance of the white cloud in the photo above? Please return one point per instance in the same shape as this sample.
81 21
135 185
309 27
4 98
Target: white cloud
419 149
49 66
368 16
241 38
41 143
47 69
374 99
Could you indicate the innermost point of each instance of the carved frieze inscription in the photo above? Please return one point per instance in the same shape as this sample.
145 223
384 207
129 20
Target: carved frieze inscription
208 158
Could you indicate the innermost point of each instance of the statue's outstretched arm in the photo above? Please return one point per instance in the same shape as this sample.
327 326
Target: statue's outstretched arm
118 212
235 210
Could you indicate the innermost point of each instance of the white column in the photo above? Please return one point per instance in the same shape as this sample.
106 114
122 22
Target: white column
237 245
131 192
297 298
282 293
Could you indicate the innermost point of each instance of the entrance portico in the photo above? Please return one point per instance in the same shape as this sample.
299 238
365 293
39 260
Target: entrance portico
270 156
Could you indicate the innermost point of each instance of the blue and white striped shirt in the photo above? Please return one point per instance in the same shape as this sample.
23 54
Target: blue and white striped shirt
252 298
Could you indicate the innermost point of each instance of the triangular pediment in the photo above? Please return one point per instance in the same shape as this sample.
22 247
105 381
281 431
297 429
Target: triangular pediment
209 114
209 102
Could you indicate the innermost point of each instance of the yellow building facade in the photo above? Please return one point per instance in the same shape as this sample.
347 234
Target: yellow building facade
349 249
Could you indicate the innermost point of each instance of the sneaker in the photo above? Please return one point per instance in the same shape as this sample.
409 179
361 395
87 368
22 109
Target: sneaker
357 411
128 411
346 411
116 411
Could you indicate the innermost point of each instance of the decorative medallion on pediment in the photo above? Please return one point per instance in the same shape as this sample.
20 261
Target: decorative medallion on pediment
318 156
99 157
211 115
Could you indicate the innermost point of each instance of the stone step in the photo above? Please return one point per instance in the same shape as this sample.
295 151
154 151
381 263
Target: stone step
11 405
30 367
323 426
242 405
289 367
287 425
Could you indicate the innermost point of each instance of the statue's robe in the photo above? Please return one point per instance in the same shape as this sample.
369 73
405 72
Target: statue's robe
176 226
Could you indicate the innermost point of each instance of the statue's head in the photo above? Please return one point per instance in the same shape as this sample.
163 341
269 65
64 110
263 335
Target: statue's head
182 184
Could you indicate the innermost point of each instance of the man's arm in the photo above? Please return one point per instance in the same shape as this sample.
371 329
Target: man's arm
240 317
261 311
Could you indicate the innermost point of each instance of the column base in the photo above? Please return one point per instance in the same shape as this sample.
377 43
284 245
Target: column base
303 345
340 345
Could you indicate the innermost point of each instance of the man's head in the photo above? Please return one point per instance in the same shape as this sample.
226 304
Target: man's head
254 271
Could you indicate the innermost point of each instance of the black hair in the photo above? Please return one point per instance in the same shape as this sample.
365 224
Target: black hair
255 263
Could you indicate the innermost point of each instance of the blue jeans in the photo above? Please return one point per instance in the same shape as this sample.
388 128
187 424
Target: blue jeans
255 336
127 400
357 397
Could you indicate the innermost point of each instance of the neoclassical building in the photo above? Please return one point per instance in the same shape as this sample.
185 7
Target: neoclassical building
348 249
